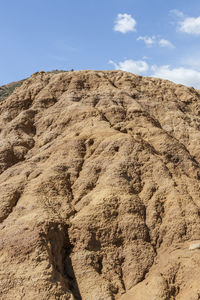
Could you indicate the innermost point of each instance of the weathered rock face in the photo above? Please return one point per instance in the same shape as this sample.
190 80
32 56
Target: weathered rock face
100 193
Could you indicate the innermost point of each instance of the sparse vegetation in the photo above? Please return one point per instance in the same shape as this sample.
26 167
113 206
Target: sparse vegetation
57 71
6 90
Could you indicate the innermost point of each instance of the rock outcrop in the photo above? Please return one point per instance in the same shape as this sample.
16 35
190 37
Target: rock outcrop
100 193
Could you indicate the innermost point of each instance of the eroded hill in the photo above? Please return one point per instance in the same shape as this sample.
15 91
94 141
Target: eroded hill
100 193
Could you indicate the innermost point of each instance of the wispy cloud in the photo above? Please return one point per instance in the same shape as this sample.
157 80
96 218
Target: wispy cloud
133 66
148 40
153 40
190 26
177 13
125 23
191 61
165 43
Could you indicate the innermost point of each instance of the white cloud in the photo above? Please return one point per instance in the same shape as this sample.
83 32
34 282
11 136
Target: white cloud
190 26
177 13
165 43
153 40
133 66
186 76
149 40
125 23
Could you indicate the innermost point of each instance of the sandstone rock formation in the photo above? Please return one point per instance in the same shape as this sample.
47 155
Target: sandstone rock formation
100 193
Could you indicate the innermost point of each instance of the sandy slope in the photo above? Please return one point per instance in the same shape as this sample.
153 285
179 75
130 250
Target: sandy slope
100 194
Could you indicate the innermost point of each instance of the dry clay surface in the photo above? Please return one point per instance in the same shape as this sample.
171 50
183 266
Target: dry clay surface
99 188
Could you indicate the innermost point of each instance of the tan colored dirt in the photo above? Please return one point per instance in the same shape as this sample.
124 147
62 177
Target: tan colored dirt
99 188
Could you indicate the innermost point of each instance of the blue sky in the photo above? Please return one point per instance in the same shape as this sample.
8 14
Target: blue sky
152 38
